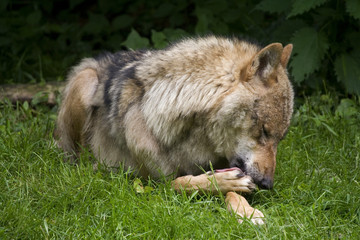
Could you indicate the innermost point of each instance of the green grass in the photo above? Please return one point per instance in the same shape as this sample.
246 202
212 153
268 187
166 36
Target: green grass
316 193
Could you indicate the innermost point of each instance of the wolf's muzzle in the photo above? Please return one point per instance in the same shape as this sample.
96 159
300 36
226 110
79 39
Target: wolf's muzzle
264 183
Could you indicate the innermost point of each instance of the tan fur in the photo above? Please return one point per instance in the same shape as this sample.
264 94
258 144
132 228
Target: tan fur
72 116
201 103
237 204
214 183
285 56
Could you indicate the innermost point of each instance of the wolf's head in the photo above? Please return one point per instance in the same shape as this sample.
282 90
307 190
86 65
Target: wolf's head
255 114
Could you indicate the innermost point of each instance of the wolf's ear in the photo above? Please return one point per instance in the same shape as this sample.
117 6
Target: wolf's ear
265 61
285 56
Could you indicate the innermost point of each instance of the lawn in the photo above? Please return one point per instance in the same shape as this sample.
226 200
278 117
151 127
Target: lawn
316 193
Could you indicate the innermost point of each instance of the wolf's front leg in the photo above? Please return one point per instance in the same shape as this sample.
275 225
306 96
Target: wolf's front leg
225 180
238 204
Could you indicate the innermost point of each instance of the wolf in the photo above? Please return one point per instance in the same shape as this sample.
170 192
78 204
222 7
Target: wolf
207 111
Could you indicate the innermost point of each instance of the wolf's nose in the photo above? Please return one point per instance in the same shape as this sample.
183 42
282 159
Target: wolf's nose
266 183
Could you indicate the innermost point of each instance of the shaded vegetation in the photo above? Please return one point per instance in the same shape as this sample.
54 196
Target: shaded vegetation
40 40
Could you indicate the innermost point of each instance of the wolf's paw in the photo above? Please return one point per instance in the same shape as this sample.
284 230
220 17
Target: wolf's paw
254 215
233 179
238 205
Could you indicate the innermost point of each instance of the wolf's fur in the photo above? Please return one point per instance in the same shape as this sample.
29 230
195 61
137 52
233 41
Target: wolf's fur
201 102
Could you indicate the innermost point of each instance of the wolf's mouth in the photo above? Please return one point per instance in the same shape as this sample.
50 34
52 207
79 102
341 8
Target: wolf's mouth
264 183
239 163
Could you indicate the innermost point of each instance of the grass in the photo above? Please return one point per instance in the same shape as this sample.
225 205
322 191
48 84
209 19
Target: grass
316 193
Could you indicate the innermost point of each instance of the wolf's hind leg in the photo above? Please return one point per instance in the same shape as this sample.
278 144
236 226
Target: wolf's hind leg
238 204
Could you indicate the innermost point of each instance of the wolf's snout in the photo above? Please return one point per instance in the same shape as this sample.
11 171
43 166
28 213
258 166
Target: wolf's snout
266 183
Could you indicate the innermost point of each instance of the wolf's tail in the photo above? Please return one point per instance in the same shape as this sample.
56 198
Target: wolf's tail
80 89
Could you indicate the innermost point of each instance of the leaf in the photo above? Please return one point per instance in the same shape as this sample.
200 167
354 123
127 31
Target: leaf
219 27
310 47
40 97
301 6
164 10
347 108
138 186
25 106
115 41
204 17
353 38
96 24
285 30
274 6
353 8
121 22
158 39
216 6
174 34
177 19
135 41
148 189
347 70
202 24
107 5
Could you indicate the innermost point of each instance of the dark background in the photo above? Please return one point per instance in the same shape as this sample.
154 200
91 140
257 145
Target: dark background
40 40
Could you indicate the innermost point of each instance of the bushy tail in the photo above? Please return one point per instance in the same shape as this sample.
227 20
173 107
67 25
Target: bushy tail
76 105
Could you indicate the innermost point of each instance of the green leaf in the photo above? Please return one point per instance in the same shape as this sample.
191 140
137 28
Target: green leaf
135 41
106 5
301 6
347 70
96 24
40 97
353 38
158 39
347 108
25 106
164 10
148 189
274 6
115 41
285 30
219 27
174 34
216 6
310 47
204 17
121 22
177 19
353 8
202 24
138 186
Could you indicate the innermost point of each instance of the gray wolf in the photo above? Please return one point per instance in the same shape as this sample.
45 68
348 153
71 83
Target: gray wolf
200 104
